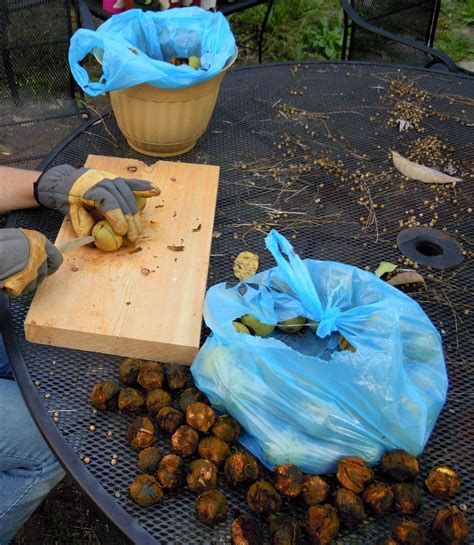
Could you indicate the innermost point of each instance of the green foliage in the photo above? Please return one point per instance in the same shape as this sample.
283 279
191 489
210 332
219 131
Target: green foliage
455 33
312 29
296 30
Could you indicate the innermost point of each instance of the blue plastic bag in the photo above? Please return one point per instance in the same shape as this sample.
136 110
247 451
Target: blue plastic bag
300 399
133 48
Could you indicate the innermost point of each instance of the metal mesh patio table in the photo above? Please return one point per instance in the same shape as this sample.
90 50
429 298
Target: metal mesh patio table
303 148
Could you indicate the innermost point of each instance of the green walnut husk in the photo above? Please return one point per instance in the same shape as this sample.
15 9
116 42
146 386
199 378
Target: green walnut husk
128 371
105 237
104 396
450 526
202 475
141 432
194 62
322 524
184 441
293 325
399 466
344 344
240 328
169 419
214 449
145 491
157 399
149 459
200 416
284 530
188 396
263 499
385 541
378 498
170 473
312 324
241 468
256 326
315 490
130 400
211 507
354 474
226 428
443 482
245 530
151 375
350 508
288 480
408 532
176 376
407 498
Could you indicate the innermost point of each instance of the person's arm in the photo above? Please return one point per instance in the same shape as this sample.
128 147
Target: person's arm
16 188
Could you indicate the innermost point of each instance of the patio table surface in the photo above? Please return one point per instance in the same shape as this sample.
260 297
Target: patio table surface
303 148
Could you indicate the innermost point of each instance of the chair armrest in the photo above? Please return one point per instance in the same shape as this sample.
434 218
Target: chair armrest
85 16
435 53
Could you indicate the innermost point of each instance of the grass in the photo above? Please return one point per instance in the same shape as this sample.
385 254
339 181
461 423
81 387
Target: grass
305 29
455 33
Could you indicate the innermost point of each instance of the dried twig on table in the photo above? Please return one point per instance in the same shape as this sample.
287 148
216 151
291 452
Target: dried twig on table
101 119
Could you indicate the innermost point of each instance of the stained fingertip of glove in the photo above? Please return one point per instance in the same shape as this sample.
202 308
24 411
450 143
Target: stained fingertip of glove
117 221
134 226
155 192
54 258
143 188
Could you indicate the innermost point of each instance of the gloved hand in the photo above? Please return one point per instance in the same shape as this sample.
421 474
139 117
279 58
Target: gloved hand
78 191
26 257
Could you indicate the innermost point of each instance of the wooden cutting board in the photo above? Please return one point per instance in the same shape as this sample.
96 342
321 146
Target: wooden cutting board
144 300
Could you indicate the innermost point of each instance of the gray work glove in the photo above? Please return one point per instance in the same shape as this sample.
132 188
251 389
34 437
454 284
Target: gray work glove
26 257
84 192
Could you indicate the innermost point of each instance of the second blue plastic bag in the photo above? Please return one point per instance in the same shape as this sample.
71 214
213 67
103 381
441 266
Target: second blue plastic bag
134 47
298 397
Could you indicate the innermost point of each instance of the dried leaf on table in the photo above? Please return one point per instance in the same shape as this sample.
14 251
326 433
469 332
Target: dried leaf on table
421 173
245 265
384 268
404 125
174 248
406 278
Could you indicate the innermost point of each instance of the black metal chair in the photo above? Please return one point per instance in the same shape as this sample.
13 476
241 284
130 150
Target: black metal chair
395 31
38 100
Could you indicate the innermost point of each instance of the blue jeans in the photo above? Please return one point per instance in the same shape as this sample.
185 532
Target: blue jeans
28 469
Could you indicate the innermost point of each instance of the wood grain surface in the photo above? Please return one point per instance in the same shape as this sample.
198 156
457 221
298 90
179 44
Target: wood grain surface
144 300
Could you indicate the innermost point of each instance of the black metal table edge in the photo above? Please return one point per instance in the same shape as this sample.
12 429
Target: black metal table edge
66 456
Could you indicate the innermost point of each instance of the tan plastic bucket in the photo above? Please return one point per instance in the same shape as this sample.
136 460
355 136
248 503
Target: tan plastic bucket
165 122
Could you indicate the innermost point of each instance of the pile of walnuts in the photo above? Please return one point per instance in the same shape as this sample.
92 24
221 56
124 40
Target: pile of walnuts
163 402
